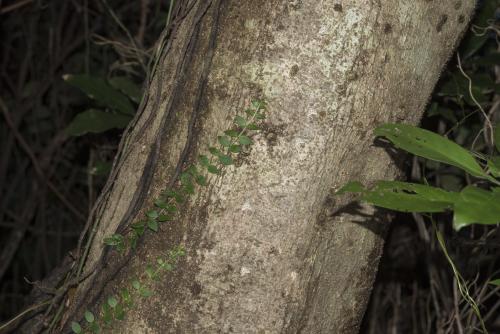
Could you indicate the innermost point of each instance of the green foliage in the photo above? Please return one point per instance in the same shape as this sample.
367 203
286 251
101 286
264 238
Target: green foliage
463 165
476 205
225 141
470 205
107 95
405 197
97 89
89 316
112 302
164 209
431 146
495 282
244 140
96 121
225 159
76 327
127 87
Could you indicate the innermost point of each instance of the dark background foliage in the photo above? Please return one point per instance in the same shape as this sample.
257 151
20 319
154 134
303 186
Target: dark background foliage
50 176
416 291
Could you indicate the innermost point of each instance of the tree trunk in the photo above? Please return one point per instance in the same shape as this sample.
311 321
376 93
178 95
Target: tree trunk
267 250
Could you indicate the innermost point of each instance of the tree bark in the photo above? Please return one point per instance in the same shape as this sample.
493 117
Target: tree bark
268 250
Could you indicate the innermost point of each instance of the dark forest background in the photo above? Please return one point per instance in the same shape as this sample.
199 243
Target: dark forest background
71 74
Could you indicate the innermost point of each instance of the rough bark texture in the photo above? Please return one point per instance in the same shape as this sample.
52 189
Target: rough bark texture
265 253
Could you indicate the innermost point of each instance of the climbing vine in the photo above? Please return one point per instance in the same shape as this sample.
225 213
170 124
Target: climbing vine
165 209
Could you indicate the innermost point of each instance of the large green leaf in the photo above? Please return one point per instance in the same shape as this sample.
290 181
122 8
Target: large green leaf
405 197
96 121
351 187
97 89
430 145
128 87
476 205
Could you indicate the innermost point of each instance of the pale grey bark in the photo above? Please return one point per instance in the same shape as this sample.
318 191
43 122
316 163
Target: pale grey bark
264 252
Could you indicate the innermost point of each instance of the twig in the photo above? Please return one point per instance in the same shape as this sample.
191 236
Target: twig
143 21
486 118
14 6
22 314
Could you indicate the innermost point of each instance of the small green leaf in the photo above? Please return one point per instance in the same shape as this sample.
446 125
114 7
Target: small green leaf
171 208
351 187
76 328
256 104
114 240
164 218
94 328
146 292
125 295
112 301
139 227
96 88
106 314
214 151
231 133
201 180
119 312
235 148
136 284
167 266
495 282
225 160
259 115
240 121
253 126
244 140
185 177
250 112
89 316
224 141
133 239
153 225
96 121
212 169
189 188
178 198
192 170
149 271
430 145
152 214
169 194
203 159
161 203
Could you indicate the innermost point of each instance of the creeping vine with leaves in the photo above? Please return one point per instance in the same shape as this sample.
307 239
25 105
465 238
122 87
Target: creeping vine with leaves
166 207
